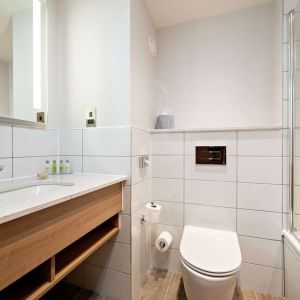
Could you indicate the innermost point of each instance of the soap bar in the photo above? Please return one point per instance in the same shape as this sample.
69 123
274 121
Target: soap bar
42 175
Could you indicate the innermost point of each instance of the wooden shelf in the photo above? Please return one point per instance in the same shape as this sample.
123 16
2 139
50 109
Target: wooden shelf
40 280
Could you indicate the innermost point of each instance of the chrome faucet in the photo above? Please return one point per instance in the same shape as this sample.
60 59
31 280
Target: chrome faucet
2 168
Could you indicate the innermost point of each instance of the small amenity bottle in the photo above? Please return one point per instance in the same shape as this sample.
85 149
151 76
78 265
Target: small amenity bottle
54 167
67 167
61 167
47 167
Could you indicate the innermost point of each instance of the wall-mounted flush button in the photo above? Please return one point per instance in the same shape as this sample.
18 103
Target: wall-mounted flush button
211 155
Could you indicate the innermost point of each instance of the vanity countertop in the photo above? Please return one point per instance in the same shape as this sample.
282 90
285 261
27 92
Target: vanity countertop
21 202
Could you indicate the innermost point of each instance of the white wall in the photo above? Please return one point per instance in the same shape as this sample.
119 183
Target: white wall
143 67
223 71
93 59
4 89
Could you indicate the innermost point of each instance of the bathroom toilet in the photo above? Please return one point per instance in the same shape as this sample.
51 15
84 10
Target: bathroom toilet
210 262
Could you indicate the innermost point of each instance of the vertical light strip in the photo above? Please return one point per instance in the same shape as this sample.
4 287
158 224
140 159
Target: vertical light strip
37 68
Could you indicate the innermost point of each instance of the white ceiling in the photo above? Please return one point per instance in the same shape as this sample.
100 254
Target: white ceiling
170 12
7 9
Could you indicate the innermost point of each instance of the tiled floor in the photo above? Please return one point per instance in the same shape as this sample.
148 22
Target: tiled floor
159 286
169 286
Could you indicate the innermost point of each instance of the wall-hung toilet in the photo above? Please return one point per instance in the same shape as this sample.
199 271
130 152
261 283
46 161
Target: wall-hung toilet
210 262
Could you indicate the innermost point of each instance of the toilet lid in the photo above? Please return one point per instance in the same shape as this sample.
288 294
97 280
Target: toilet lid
210 250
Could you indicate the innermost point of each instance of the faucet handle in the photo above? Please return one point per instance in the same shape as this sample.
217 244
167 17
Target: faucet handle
2 168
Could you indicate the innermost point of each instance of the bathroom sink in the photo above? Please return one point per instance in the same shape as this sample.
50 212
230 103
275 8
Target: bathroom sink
36 187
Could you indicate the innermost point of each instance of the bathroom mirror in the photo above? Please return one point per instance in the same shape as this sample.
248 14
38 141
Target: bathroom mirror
23 67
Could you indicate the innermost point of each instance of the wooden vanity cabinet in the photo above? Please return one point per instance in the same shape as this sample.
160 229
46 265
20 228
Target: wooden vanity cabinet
40 249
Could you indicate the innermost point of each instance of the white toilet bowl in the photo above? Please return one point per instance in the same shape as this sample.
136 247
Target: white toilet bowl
210 262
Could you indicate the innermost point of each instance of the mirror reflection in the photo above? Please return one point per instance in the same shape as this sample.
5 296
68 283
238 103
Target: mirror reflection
23 90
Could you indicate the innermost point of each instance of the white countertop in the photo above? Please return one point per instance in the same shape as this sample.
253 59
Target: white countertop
18 203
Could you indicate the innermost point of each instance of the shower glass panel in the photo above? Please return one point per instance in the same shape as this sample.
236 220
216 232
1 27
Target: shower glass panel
293 49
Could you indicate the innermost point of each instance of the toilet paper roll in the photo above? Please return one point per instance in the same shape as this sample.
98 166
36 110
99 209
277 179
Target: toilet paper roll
153 212
164 241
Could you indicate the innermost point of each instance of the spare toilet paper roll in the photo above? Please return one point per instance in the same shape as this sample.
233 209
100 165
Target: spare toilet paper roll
164 241
153 212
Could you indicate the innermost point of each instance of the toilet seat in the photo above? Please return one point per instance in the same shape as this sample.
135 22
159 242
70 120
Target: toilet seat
210 252
203 272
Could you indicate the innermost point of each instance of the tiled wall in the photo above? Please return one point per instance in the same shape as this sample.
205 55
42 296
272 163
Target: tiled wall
245 196
24 151
292 265
124 261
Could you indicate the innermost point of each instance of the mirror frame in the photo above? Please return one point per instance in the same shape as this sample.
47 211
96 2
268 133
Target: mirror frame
18 122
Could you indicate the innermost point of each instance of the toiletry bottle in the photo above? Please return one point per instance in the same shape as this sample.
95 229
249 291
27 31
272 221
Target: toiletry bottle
47 167
61 167
67 167
54 167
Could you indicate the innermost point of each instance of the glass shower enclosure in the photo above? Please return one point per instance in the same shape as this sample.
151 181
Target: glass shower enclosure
293 55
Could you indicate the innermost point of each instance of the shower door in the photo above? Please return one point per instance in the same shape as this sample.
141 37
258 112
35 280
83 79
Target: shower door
293 55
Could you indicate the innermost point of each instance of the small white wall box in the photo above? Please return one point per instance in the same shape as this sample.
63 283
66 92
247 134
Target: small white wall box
91 117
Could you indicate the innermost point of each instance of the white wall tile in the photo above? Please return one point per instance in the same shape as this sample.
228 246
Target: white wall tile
169 260
167 144
227 139
136 225
266 197
75 163
285 92
126 199
34 142
167 166
261 251
171 213
288 5
292 292
285 29
260 169
259 224
107 165
107 141
285 113
7 171
123 235
70 141
111 255
30 166
5 141
76 277
105 281
214 193
262 279
139 174
260 143
285 170
140 195
167 189
210 217
297 170
175 231
140 142
210 172
285 199
285 142
285 63
292 265
138 279
141 249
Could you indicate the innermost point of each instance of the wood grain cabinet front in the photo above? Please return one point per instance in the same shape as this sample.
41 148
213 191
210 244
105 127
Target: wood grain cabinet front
40 249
